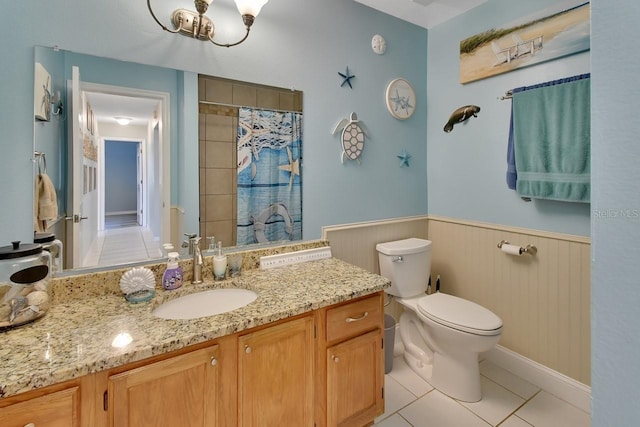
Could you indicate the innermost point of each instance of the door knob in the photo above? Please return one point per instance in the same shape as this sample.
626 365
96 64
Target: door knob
75 218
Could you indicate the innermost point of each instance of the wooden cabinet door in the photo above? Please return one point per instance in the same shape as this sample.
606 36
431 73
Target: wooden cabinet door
355 378
275 375
58 409
180 391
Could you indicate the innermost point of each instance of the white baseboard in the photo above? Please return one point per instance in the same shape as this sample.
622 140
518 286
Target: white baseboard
561 386
119 213
553 382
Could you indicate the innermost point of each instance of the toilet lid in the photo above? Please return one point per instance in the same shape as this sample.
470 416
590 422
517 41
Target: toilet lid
459 314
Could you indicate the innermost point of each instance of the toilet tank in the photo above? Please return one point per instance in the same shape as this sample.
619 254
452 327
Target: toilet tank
407 263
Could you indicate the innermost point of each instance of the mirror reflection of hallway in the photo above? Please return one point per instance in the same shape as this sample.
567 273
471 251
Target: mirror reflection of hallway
122 184
104 107
126 236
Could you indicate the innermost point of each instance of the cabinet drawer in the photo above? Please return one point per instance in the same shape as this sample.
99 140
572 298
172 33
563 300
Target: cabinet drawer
58 409
354 318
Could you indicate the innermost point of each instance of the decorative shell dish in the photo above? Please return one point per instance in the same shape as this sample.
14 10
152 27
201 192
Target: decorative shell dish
137 279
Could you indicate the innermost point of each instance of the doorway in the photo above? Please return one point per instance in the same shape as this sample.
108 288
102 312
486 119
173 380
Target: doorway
131 175
123 184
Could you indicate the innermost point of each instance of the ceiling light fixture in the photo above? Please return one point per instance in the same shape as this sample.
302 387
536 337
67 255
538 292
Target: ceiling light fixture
123 120
197 25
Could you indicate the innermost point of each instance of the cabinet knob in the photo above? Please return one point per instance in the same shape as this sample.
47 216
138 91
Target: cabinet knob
30 425
335 358
247 349
214 361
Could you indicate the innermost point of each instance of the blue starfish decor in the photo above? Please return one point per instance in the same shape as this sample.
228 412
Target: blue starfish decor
347 78
404 158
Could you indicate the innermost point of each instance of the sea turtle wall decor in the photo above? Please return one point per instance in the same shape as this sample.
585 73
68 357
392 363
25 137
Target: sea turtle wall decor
352 137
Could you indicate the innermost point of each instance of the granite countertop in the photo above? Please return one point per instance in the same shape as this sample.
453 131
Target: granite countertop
75 337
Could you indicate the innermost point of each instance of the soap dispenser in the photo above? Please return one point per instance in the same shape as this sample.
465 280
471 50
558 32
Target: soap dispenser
172 277
219 263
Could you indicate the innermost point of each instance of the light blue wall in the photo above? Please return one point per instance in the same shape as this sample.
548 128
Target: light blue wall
50 137
120 176
301 44
466 168
615 164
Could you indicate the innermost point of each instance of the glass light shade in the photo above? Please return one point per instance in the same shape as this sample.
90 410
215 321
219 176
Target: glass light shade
250 7
123 120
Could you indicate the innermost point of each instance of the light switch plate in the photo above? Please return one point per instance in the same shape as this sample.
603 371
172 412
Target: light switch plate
289 258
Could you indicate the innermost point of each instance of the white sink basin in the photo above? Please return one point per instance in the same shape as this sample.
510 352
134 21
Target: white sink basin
205 303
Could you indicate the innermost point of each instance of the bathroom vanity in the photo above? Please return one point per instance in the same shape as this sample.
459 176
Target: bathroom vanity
308 351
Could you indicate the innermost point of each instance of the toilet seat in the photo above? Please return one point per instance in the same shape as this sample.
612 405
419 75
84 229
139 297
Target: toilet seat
460 314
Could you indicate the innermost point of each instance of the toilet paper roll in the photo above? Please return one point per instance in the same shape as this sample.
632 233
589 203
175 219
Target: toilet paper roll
511 249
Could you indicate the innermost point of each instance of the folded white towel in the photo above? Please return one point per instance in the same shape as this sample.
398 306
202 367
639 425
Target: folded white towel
46 202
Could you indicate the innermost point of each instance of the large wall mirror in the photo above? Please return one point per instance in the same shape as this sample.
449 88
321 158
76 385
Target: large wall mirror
124 190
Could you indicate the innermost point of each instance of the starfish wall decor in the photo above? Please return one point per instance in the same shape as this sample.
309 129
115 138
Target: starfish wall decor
347 78
404 158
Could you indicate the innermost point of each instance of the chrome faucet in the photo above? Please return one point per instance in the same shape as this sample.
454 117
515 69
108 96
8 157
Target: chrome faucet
194 248
188 243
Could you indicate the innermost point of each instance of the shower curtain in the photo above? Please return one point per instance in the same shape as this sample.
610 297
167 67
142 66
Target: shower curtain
269 147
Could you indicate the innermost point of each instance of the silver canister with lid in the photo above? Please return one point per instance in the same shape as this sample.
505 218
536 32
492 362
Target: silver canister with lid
24 283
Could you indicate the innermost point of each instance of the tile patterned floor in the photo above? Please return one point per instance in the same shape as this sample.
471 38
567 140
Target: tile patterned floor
123 245
508 401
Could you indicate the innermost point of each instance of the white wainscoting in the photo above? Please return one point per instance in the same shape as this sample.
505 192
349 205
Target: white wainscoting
356 243
543 300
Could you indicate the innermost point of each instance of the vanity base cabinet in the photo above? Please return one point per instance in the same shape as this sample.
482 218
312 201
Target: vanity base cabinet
275 375
354 388
179 391
350 365
324 368
52 409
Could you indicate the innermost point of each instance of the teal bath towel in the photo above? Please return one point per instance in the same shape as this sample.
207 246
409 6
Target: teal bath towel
552 138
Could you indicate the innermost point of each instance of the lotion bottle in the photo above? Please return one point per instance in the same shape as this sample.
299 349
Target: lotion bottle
219 263
172 277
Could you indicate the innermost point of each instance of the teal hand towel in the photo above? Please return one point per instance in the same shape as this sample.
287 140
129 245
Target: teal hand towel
552 138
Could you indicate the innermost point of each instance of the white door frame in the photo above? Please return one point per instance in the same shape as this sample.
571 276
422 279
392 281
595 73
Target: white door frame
165 138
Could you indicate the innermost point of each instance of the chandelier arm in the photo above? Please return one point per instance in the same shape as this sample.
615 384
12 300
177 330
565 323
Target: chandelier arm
230 44
197 32
159 23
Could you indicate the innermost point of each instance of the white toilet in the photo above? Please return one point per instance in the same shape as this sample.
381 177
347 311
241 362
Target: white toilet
442 334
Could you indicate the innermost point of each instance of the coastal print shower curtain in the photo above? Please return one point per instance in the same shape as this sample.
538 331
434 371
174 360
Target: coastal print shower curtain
269 183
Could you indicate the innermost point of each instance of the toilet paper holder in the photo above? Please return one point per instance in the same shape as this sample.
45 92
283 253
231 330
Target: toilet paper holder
529 249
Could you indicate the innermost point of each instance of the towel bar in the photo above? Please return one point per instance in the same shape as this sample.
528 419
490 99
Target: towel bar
40 158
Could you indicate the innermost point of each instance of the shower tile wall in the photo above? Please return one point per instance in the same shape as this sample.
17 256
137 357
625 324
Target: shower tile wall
218 122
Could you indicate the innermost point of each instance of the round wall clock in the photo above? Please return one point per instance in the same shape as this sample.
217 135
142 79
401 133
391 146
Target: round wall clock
400 99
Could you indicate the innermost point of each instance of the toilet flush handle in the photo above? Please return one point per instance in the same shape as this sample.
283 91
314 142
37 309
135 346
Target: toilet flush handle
398 259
